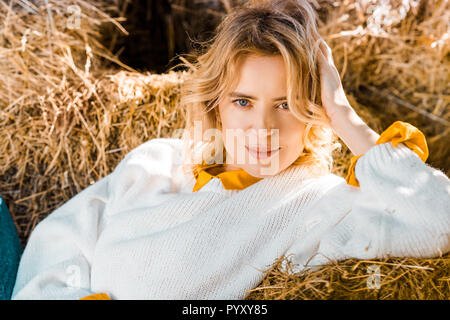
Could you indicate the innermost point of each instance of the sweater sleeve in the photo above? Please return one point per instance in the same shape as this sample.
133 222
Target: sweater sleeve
397 132
400 209
56 263
57 258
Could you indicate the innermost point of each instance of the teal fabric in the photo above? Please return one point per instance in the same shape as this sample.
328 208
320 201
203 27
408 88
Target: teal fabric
10 252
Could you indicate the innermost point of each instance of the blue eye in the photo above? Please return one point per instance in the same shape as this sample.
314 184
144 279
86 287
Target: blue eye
240 100
237 100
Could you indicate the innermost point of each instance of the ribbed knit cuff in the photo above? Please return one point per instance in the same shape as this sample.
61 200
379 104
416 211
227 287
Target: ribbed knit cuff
397 132
412 200
384 164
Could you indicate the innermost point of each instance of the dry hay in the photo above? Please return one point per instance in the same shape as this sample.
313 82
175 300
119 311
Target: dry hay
383 279
64 121
67 119
396 61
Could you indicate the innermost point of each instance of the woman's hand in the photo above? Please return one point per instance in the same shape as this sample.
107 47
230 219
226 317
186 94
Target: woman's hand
344 121
333 96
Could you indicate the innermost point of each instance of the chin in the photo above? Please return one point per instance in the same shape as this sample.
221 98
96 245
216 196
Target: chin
261 171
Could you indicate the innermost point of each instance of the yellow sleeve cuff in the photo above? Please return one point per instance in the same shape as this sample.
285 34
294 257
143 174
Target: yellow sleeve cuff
96 296
397 132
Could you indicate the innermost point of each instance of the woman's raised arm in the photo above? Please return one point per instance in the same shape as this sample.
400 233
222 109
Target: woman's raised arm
400 209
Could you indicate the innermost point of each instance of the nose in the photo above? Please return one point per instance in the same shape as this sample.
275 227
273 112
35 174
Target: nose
262 127
263 119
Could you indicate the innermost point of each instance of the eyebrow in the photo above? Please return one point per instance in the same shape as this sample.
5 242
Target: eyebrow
243 95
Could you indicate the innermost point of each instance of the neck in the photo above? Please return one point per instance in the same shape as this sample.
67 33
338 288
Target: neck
221 168
230 167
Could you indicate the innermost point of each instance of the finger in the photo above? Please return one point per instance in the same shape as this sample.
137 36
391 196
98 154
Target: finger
323 62
330 52
321 55
327 51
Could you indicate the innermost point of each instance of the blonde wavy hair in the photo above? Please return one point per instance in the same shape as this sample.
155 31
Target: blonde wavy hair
262 27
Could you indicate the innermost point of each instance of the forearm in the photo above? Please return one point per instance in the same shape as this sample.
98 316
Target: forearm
353 131
408 198
400 209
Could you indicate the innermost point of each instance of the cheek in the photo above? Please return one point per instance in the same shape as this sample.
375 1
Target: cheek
227 123
292 137
230 119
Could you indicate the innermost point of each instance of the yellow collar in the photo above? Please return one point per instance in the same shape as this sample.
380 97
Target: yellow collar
231 180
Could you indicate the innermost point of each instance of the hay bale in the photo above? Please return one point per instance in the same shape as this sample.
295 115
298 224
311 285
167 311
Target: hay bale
352 279
394 57
69 117
50 60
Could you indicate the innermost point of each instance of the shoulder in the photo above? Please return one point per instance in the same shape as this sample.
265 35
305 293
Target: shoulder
152 162
333 193
336 186
156 148
332 179
329 183
154 152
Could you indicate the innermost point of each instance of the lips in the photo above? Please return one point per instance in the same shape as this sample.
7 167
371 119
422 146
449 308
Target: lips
259 154
258 149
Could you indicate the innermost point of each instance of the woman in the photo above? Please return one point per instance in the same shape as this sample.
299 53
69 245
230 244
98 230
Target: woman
183 219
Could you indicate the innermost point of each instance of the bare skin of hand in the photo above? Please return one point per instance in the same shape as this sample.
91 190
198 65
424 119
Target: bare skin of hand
332 91
344 121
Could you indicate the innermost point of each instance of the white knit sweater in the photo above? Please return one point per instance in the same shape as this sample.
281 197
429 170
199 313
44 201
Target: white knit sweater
141 233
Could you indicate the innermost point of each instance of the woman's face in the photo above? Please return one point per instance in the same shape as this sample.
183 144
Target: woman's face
255 117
